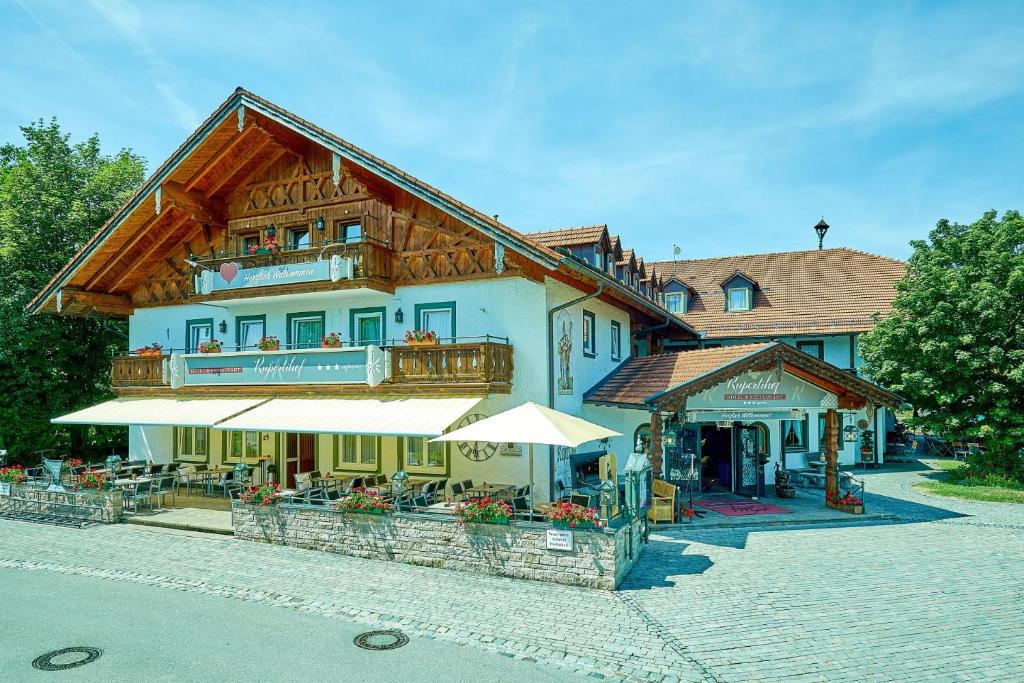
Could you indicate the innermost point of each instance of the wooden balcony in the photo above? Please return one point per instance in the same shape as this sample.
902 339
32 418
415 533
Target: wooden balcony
482 363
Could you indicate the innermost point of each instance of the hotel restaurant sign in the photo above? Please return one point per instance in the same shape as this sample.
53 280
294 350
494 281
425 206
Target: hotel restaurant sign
360 365
758 396
233 276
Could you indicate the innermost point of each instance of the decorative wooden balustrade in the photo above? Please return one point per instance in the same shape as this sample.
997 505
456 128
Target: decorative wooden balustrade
137 371
483 362
370 260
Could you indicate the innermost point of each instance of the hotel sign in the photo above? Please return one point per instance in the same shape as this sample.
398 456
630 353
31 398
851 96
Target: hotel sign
234 276
758 392
361 365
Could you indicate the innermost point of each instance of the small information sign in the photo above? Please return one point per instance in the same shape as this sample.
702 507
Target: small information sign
559 539
5 488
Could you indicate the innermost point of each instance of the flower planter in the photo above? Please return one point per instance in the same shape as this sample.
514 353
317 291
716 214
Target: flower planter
845 507
328 345
271 347
150 354
424 342
217 350
476 523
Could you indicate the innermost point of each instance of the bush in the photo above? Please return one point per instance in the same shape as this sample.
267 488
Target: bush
974 476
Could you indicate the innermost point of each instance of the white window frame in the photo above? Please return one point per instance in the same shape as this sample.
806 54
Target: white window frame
746 297
674 302
256 439
363 449
616 340
356 318
189 449
589 334
424 449
294 331
192 328
242 324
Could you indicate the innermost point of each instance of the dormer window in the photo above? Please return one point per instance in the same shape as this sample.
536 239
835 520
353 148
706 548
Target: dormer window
675 302
738 299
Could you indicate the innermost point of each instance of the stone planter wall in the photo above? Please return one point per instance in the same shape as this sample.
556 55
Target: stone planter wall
599 559
106 507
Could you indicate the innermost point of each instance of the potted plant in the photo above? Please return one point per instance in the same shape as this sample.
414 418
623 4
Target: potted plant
845 503
569 516
269 344
867 443
14 474
420 337
363 503
210 346
151 351
331 341
263 495
483 511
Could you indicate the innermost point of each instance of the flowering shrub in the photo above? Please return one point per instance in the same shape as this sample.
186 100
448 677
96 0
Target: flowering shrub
483 511
364 503
687 511
15 474
153 349
210 346
91 480
420 336
563 515
269 344
333 340
262 495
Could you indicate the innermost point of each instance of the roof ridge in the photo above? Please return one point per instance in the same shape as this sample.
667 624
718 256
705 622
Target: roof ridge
565 229
781 253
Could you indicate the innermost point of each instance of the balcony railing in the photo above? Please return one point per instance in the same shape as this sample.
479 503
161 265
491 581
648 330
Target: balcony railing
487 361
370 258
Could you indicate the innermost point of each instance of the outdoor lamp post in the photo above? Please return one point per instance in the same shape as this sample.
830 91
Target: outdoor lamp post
608 496
112 462
398 487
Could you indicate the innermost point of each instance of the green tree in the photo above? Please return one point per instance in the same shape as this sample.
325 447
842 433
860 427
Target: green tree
53 196
954 345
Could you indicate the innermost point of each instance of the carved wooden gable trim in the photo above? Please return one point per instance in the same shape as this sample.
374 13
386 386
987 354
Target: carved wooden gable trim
301 187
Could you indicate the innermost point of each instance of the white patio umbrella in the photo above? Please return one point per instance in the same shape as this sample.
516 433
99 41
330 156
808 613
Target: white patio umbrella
531 424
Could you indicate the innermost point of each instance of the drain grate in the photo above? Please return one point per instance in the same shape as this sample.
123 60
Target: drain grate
381 640
67 658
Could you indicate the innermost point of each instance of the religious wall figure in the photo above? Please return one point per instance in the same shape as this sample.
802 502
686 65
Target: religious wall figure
565 357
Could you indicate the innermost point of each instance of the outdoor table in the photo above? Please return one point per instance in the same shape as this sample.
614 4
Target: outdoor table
415 483
490 489
125 483
211 473
447 508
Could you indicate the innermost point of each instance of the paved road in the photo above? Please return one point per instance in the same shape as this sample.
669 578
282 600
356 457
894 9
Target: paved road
148 633
939 597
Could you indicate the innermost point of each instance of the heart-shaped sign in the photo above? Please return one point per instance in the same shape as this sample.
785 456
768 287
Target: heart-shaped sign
228 271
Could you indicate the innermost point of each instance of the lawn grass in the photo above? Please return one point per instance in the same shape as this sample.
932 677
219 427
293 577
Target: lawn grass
941 487
990 494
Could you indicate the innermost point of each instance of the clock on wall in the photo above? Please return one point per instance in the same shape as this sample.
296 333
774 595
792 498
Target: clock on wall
477 451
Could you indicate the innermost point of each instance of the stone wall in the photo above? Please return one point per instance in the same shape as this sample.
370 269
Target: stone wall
599 558
68 506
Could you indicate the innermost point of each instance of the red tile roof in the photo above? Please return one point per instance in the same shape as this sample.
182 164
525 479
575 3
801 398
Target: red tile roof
569 237
828 291
638 378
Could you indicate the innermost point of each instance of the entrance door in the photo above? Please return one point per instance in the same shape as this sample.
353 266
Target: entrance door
300 455
748 474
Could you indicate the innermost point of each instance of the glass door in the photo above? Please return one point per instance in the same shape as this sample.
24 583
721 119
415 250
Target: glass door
748 473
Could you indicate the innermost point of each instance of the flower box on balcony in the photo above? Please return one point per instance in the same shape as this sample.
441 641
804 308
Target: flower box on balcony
422 342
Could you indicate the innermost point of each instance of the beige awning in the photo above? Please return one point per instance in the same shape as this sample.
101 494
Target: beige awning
400 416
196 412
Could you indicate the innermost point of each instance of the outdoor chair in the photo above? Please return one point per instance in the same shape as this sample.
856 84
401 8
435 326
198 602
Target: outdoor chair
355 483
172 467
164 484
303 481
428 492
439 490
467 484
457 491
139 493
522 491
235 486
580 499
418 502
185 475
156 469
663 502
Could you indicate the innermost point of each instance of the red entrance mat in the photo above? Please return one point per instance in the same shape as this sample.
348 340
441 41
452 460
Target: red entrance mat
738 508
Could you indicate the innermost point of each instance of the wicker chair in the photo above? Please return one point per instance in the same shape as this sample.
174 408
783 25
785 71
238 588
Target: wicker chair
663 502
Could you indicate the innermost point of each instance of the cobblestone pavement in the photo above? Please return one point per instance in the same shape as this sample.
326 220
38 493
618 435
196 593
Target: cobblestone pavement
938 596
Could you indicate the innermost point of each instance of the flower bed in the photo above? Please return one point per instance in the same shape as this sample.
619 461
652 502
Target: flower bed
263 495
483 511
359 502
845 503
569 516
91 480
15 474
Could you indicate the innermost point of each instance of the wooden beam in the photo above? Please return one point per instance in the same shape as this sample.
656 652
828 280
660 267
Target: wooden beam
202 209
140 233
246 158
219 156
153 248
270 161
116 304
822 383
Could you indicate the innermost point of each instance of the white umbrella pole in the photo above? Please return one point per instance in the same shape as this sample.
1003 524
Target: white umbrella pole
531 482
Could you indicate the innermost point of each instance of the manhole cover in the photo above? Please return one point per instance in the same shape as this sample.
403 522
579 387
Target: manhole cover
68 658
381 640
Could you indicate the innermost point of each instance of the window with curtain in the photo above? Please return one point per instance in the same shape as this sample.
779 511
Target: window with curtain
839 432
794 435
193 443
369 328
439 318
589 342
355 451
616 336
244 445
198 332
307 331
674 302
739 298
421 453
250 332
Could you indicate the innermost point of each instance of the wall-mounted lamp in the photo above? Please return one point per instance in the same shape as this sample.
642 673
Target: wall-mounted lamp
271 230
223 327
320 225
399 316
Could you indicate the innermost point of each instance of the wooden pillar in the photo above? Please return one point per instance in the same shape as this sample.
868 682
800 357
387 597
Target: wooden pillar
656 449
831 455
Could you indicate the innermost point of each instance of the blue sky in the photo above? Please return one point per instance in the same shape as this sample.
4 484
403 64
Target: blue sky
722 127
